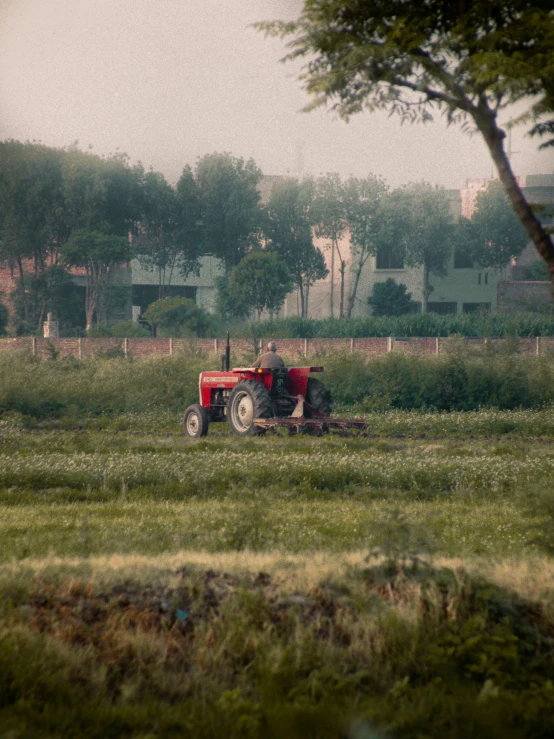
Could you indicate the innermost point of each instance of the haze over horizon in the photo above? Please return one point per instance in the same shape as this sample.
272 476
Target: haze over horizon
169 82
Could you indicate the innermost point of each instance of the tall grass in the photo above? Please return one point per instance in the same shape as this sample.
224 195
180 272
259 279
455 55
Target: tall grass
389 651
459 381
453 382
494 325
46 388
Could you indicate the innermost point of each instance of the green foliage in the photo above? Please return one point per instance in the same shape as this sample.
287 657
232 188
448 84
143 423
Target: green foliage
493 325
129 328
536 271
390 55
50 290
231 215
495 233
228 304
260 282
169 234
453 382
100 331
390 298
369 223
459 657
178 317
394 381
288 227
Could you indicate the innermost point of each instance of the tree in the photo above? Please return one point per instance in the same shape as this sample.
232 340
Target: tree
469 59
98 254
102 194
329 214
289 232
536 272
390 298
103 202
495 232
420 218
367 221
169 239
178 317
260 282
231 214
31 221
4 319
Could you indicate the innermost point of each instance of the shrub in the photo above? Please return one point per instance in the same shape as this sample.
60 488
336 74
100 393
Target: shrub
178 317
536 271
494 325
390 298
100 331
127 329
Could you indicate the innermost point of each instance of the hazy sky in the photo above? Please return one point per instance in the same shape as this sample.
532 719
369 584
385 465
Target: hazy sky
170 80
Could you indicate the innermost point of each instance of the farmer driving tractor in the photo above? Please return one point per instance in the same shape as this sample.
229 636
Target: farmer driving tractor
270 359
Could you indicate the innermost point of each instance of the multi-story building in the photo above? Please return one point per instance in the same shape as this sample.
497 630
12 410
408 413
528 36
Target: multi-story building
467 287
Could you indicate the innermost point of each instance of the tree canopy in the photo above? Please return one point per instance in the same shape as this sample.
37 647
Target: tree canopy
260 282
288 228
495 234
231 216
469 60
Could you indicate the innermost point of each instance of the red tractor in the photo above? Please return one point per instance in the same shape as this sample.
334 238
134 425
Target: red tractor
253 400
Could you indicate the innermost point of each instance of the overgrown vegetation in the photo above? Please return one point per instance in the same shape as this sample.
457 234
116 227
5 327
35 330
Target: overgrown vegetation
122 613
385 650
494 325
66 387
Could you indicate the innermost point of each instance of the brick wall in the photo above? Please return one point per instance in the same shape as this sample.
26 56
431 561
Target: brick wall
294 349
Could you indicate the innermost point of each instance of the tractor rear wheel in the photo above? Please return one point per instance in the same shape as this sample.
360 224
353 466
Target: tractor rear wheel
195 421
248 400
318 396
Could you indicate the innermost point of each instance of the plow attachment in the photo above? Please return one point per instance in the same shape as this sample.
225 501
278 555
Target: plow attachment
315 426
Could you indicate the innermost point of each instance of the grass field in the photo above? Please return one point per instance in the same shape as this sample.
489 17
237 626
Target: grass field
399 585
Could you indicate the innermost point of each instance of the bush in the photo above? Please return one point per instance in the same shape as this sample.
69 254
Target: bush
178 317
126 329
43 389
536 271
390 298
445 383
100 331
494 325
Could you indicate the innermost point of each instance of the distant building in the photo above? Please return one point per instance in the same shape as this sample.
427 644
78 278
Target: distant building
466 288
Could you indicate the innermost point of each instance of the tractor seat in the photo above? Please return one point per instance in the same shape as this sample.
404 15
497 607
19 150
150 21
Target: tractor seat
279 383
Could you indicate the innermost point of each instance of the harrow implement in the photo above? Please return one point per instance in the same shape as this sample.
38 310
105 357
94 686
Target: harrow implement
314 426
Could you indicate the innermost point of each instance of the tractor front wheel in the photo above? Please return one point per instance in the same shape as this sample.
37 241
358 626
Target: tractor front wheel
248 400
195 421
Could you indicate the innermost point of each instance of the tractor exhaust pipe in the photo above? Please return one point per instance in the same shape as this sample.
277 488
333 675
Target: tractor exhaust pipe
227 354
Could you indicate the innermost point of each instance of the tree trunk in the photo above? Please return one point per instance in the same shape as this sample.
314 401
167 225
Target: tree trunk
425 301
342 277
302 299
354 288
306 300
22 283
91 294
332 296
494 138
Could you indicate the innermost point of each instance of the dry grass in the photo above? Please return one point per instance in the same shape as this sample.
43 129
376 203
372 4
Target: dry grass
531 577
